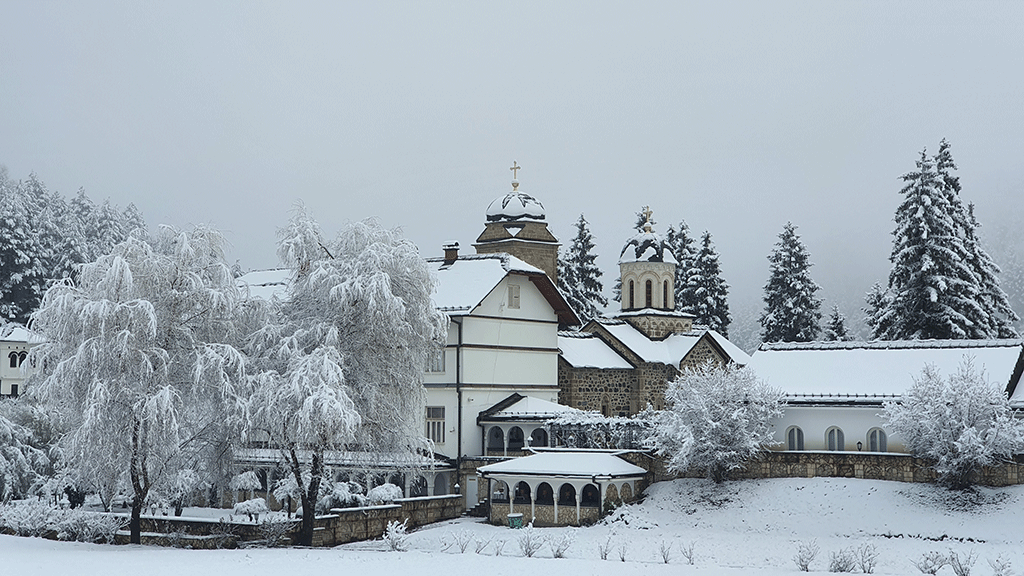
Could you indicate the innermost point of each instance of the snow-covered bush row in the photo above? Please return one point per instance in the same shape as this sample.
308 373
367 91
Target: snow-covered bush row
395 536
384 494
38 517
251 508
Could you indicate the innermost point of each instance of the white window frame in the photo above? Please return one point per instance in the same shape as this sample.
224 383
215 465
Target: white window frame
435 365
835 440
435 424
794 438
878 440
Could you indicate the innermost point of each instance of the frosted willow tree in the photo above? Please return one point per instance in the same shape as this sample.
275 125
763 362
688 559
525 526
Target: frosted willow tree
342 366
717 418
137 358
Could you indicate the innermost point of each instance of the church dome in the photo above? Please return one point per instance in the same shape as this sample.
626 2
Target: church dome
515 205
646 246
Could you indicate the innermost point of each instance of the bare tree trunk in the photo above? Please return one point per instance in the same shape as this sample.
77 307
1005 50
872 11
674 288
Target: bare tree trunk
308 495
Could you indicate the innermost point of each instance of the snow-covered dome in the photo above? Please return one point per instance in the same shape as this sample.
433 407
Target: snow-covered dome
647 246
515 205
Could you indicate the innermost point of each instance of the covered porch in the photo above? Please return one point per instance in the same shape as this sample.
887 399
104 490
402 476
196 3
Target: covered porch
561 487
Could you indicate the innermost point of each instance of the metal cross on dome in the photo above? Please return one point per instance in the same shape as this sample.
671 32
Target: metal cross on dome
647 216
515 169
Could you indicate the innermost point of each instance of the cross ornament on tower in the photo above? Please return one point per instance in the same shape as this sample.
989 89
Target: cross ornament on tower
647 212
515 170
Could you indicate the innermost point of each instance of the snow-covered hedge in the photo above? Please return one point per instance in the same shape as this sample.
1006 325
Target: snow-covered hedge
384 494
39 517
251 508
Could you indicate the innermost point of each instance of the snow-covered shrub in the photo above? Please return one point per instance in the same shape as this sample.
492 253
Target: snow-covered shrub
561 543
687 549
805 554
842 561
395 536
867 558
665 551
1001 566
530 540
251 508
931 562
274 532
94 527
247 482
959 423
603 548
29 517
480 545
384 494
717 418
340 495
622 549
460 540
962 565
499 547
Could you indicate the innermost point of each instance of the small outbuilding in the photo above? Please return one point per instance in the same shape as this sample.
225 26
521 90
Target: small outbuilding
559 487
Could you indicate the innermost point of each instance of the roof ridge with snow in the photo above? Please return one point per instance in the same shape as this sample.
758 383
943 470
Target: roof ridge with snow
890 345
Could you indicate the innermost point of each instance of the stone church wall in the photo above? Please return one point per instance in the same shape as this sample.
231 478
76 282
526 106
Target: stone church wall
542 256
587 388
701 354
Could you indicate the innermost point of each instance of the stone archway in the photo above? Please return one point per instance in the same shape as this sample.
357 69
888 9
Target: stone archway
516 439
539 438
611 495
626 492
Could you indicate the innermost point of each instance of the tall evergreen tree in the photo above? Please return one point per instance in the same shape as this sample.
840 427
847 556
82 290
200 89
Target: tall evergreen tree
876 302
709 292
836 330
934 292
22 270
681 243
579 278
999 315
792 312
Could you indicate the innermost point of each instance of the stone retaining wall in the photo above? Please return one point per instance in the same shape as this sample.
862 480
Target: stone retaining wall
352 524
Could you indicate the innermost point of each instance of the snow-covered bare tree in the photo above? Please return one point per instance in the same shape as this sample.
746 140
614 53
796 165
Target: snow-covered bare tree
708 293
22 461
138 356
716 419
792 312
579 278
960 423
341 367
678 238
836 327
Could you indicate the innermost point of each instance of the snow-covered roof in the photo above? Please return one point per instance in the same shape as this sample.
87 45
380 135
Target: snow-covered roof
581 464
515 206
267 284
817 371
672 349
464 283
586 350
532 408
18 333
646 247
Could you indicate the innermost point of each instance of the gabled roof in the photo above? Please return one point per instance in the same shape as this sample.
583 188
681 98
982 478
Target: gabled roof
586 350
519 407
18 333
839 371
565 464
672 349
464 283
267 284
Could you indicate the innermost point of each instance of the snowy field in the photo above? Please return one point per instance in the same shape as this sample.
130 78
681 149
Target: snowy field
749 527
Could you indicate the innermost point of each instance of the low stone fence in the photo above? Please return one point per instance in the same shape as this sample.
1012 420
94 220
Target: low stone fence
198 533
352 524
545 514
868 465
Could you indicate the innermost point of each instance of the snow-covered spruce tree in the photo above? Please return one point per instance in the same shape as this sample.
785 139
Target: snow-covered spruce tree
716 419
876 303
22 257
935 294
341 367
681 243
138 357
579 278
959 423
792 312
707 291
835 330
999 315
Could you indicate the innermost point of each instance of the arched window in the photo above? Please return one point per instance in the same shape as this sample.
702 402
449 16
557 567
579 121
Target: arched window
630 294
567 495
539 437
521 494
515 438
14 359
877 441
22 357
495 439
664 296
834 439
794 438
545 495
606 406
591 496
650 288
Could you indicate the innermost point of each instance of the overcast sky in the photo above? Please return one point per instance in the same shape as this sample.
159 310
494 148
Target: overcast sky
735 117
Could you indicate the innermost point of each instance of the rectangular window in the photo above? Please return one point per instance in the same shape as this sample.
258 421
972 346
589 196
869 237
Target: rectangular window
435 424
436 363
513 296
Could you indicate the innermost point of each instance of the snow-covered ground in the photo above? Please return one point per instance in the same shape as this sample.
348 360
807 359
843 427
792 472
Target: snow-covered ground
749 527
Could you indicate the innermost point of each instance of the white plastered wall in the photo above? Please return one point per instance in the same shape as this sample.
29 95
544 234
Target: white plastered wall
854 421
